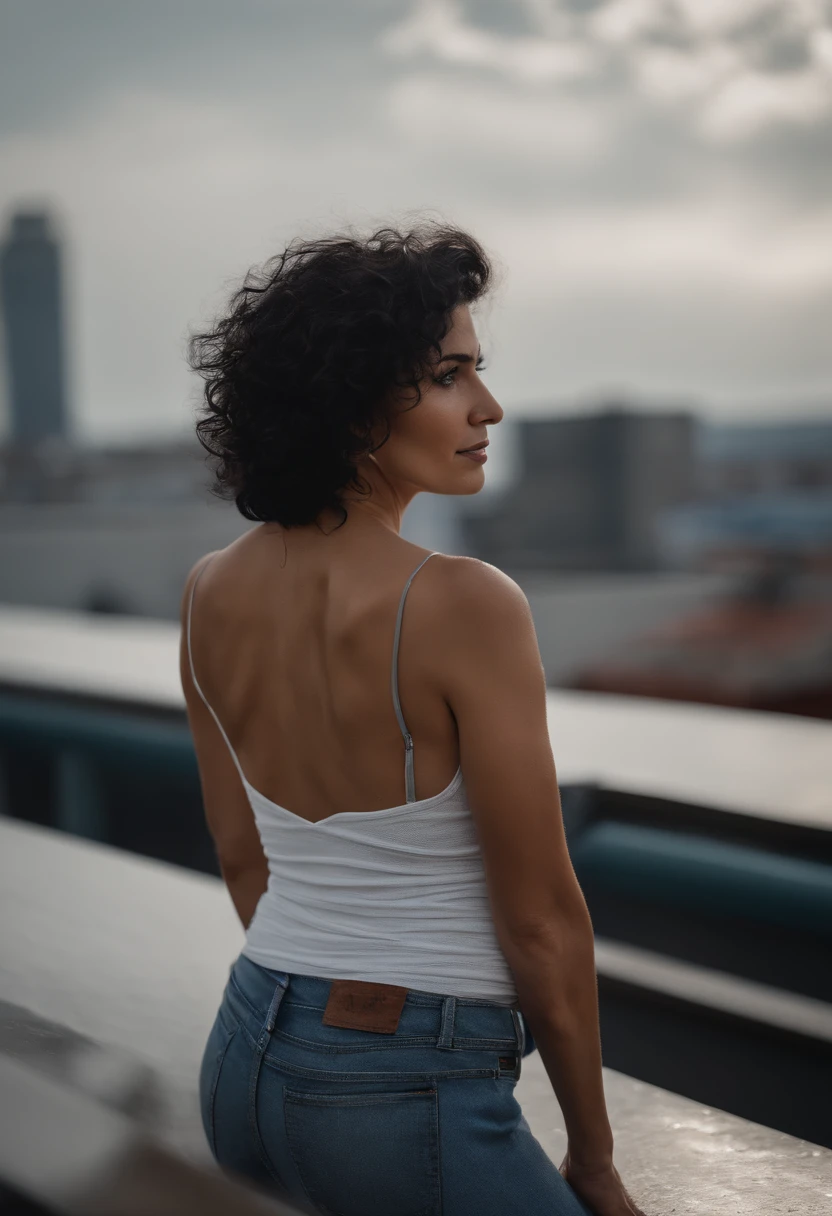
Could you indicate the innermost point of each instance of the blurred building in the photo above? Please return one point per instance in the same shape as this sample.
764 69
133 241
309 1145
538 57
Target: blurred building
111 529
765 493
590 491
765 458
116 529
744 531
126 558
31 292
31 296
765 646
161 471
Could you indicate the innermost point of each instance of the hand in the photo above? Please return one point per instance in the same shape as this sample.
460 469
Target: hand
601 1189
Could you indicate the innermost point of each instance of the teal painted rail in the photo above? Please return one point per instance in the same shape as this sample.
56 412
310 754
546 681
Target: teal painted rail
675 868
664 868
112 737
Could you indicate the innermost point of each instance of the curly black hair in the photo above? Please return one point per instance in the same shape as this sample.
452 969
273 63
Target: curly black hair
302 367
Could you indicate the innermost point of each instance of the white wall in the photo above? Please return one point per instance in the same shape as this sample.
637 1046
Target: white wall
55 555
579 618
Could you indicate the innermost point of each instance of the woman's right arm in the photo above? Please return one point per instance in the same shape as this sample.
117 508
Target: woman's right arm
493 680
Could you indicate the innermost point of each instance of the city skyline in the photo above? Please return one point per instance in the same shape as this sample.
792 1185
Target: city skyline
653 179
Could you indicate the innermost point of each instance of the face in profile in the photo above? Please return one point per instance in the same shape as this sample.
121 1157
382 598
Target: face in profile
456 409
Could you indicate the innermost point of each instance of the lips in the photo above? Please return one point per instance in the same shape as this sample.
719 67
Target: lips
477 447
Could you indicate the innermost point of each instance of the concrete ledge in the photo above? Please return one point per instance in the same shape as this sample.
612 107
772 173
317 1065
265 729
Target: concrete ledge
772 766
67 1152
134 954
714 990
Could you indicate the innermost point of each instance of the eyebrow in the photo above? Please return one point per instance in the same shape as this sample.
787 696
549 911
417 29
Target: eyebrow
461 358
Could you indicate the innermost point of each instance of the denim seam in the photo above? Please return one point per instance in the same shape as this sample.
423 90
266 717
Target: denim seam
412 1000
460 1002
519 1027
346 1048
214 1083
256 1065
228 1018
398 1041
425 1074
302 1098
239 994
438 1153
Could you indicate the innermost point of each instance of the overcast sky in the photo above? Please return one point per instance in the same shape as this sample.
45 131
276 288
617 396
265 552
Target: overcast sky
653 176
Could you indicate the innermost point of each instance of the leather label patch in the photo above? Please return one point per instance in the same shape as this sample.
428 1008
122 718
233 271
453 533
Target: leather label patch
360 1005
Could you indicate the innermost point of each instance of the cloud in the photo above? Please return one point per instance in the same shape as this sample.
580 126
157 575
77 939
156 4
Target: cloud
754 101
668 74
655 250
494 121
722 61
659 196
438 28
164 202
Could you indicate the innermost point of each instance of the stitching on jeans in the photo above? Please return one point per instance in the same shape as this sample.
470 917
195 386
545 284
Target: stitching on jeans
361 1048
468 1002
302 1098
344 1048
214 1083
254 1077
424 1074
416 1001
438 1142
238 992
400 1041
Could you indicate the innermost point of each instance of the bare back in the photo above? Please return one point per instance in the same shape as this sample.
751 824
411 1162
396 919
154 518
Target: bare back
292 646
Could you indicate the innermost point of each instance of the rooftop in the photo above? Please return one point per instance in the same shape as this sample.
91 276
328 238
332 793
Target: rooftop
133 954
771 766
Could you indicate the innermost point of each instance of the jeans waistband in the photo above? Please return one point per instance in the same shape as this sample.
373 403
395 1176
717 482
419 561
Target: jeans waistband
454 1021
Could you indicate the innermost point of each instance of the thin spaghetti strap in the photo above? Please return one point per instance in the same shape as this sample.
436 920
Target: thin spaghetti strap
193 673
409 776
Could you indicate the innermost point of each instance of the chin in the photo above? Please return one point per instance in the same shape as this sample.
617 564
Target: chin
467 485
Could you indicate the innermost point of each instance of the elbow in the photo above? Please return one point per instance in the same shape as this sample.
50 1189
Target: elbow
535 939
236 866
549 945
554 930
553 965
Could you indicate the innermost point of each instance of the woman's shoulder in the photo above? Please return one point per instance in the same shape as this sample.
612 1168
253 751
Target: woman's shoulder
477 585
466 606
195 574
228 563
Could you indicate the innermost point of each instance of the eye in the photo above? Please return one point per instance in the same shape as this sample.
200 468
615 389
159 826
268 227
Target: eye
449 376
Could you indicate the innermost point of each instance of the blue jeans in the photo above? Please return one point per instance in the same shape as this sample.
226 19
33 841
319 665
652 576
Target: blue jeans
419 1122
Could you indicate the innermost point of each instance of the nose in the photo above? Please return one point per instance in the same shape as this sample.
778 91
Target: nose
487 408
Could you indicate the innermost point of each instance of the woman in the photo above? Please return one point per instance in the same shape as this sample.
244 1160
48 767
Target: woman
398 913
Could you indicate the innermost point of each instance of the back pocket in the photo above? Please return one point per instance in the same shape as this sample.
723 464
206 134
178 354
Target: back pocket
367 1154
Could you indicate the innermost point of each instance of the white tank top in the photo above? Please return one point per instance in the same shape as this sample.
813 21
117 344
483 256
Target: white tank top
394 896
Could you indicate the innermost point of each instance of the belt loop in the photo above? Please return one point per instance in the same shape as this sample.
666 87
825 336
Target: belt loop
257 1060
271 1016
446 1030
519 1029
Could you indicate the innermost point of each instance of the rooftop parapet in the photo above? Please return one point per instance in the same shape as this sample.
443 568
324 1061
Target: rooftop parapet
132 955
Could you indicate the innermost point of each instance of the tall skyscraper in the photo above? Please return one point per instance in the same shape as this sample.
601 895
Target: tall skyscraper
32 310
